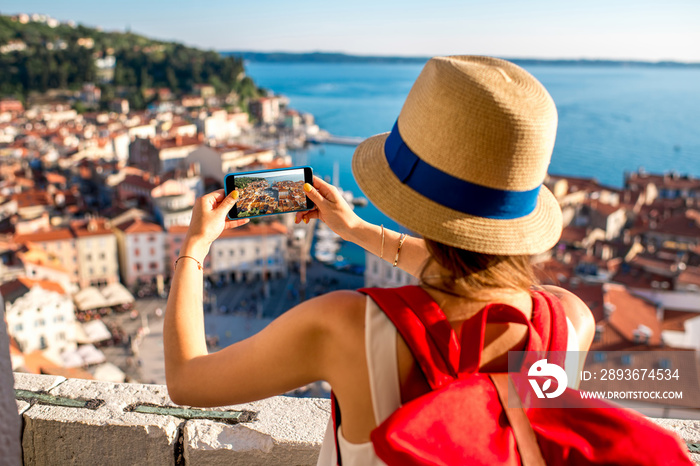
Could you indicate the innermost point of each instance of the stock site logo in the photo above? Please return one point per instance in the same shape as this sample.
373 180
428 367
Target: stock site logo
543 369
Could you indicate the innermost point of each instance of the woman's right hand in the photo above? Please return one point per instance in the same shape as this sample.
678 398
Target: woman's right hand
331 208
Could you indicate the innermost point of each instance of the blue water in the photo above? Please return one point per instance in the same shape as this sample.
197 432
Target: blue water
611 119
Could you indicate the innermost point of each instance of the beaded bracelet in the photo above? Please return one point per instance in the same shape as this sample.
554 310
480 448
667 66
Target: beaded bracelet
402 238
199 264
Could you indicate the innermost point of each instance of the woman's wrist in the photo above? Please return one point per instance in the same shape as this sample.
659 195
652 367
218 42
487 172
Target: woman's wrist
368 236
195 247
356 232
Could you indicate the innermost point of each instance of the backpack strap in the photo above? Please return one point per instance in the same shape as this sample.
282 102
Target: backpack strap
474 332
547 307
525 438
431 339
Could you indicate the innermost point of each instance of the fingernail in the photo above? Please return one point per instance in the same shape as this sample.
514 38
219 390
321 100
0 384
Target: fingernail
306 220
234 194
307 187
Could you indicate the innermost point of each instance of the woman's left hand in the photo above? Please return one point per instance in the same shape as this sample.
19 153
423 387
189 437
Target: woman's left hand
209 219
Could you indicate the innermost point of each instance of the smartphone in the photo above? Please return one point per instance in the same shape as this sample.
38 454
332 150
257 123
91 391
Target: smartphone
269 192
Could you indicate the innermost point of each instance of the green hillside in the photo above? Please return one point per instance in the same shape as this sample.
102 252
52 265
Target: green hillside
37 57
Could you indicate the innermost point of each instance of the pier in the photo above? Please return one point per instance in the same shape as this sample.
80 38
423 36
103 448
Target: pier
331 139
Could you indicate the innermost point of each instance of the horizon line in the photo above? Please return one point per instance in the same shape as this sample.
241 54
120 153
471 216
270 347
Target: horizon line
427 57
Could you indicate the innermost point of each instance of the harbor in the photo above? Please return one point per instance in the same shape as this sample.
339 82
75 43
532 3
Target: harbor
327 138
328 246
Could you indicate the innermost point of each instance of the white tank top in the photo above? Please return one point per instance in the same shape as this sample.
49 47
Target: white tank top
383 367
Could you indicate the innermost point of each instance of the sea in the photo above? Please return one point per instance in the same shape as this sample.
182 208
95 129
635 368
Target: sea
612 119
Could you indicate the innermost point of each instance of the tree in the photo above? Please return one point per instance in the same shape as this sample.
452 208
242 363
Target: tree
140 63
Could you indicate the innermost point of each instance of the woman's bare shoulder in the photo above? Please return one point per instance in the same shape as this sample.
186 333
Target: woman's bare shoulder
338 309
577 311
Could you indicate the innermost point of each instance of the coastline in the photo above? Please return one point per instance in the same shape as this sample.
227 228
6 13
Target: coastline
338 58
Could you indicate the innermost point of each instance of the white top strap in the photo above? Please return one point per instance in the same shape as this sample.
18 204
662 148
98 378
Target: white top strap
382 362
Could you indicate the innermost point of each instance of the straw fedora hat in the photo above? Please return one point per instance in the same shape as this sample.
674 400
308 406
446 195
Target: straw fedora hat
465 162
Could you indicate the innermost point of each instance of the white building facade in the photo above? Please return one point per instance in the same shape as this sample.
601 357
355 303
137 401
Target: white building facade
40 315
248 253
96 248
141 251
219 125
380 273
216 162
173 200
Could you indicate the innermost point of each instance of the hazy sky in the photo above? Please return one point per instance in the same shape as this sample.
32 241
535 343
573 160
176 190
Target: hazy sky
615 29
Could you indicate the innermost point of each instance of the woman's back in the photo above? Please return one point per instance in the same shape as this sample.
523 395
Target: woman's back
350 377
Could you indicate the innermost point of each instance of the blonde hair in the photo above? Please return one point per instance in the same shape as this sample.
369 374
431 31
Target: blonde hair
472 274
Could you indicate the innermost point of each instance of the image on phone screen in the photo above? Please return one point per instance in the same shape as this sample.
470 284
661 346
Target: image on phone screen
269 192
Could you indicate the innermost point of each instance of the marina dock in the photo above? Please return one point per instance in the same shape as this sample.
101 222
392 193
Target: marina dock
331 139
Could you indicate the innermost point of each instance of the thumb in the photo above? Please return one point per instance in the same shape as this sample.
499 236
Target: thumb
228 202
313 194
326 190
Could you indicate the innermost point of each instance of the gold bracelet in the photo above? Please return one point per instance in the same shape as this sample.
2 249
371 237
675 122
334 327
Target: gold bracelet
381 251
199 264
402 238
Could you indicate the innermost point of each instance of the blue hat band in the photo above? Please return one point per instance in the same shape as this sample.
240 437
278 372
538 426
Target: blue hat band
457 194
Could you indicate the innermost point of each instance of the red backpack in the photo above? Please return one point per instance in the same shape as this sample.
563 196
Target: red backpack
466 418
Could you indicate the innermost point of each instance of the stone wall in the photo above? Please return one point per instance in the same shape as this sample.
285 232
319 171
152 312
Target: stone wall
108 429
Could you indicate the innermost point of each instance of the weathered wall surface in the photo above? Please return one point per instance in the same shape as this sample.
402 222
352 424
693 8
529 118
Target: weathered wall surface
286 431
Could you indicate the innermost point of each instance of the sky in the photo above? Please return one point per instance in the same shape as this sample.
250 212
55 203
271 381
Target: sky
593 29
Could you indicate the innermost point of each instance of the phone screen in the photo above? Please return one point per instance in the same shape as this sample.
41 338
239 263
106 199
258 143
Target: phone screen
269 192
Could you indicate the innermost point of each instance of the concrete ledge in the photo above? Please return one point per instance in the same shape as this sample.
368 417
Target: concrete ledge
288 431
34 383
107 435
687 430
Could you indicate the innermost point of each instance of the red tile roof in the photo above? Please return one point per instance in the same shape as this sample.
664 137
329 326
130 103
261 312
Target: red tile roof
605 209
178 141
69 373
21 285
178 229
92 227
674 320
638 278
58 234
139 226
35 361
630 313
39 257
579 183
571 234
250 229
591 295
689 276
668 180
654 262
31 198
684 224
276 163
140 181
224 148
